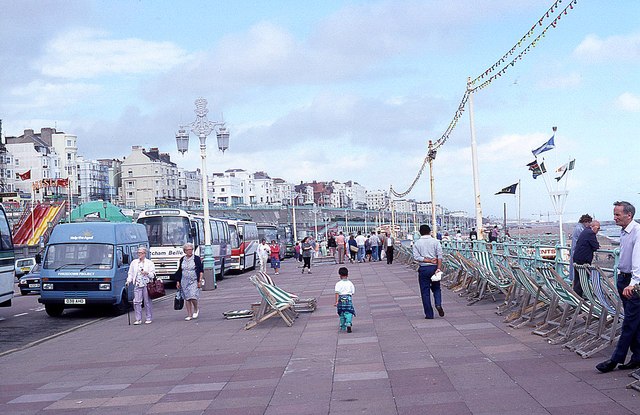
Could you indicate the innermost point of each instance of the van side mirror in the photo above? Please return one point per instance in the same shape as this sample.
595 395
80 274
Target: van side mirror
38 258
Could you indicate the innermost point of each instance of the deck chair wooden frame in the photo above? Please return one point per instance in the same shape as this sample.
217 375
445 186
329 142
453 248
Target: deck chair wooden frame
275 303
301 305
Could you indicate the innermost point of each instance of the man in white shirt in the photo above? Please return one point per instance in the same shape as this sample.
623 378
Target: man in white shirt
360 241
389 241
428 252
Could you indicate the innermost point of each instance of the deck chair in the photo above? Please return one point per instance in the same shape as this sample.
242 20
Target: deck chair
560 329
534 304
300 305
276 303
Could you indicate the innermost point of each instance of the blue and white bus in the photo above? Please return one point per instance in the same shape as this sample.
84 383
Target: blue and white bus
86 265
169 229
7 269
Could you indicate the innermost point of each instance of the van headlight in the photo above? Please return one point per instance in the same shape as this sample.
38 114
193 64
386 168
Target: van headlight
47 286
104 286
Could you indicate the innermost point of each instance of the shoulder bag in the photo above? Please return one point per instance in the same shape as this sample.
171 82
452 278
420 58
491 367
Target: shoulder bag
155 288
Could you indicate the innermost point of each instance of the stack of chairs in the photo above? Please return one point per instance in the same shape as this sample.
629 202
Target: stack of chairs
536 296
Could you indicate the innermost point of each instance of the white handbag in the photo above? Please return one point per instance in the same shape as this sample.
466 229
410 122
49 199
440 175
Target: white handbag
437 276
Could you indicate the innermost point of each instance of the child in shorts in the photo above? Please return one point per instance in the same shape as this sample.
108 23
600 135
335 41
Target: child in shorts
344 304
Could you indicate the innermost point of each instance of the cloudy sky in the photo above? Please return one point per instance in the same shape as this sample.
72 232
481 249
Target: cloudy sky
344 90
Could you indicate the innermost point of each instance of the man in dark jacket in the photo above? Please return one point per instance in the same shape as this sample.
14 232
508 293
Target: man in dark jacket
583 254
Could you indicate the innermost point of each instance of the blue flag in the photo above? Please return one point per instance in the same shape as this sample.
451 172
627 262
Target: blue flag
545 147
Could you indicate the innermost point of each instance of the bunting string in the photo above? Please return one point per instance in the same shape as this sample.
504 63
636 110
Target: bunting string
492 73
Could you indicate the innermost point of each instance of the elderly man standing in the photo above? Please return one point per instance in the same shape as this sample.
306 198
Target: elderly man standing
428 252
583 254
583 223
628 277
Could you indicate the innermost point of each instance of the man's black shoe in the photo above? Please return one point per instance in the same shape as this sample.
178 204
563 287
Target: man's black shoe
629 366
348 329
606 366
440 311
429 318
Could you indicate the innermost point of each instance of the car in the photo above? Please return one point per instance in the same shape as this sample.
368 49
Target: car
30 283
23 266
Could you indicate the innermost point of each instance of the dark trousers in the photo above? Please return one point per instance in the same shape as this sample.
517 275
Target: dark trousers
389 255
577 286
424 279
630 335
307 262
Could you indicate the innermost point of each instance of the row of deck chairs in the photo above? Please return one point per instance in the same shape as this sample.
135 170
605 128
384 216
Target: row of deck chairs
534 295
276 302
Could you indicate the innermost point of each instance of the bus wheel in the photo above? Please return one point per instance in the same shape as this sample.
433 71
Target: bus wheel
123 306
54 310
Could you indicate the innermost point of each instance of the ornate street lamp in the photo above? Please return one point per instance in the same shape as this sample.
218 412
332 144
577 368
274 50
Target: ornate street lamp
202 127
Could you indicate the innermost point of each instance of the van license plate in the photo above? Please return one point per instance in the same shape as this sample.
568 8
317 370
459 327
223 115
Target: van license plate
75 301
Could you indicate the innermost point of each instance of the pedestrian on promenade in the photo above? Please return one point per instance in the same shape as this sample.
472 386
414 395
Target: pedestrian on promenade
297 254
275 256
341 243
583 223
428 252
307 251
628 277
493 236
353 248
264 251
141 271
323 248
360 241
473 235
374 241
389 241
188 278
583 254
332 245
344 302
367 250
381 246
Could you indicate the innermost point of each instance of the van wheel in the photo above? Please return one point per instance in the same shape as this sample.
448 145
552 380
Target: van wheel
124 305
54 310
24 292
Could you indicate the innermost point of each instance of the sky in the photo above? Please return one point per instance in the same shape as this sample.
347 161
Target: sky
344 90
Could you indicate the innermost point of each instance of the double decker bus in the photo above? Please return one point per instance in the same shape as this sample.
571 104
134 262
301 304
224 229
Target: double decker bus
170 229
7 266
244 244
272 233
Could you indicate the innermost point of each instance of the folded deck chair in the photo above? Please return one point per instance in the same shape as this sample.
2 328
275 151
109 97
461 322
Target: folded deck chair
274 302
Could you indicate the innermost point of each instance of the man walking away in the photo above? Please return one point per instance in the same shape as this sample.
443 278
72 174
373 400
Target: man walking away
428 252
628 277
360 241
375 242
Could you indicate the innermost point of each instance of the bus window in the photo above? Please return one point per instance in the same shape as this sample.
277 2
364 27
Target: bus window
215 237
5 235
233 236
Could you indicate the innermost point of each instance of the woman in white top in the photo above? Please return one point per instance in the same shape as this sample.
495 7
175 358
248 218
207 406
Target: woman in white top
141 271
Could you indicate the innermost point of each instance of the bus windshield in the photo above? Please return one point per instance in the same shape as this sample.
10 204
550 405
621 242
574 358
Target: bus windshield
167 230
269 234
82 256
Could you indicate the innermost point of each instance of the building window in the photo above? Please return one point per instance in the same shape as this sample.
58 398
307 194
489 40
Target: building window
17 162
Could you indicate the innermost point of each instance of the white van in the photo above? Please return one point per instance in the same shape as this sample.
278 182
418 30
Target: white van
23 266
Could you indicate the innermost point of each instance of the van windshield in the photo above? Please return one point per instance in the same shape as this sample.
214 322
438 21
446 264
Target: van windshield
167 230
97 256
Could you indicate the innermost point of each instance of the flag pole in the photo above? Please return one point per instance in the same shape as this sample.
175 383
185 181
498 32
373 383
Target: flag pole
519 205
474 164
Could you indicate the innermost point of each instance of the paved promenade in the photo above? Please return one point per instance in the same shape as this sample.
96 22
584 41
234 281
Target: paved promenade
394 362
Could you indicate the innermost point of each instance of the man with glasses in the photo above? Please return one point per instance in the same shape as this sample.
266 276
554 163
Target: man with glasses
628 278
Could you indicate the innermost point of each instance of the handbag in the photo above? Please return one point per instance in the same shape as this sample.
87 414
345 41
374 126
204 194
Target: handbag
155 288
437 276
178 301
353 248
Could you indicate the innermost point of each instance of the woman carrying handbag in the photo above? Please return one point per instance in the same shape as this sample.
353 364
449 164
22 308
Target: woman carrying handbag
141 272
188 279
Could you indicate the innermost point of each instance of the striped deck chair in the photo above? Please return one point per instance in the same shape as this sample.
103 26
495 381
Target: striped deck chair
493 281
560 329
301 305
278 304
594 337
534 303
